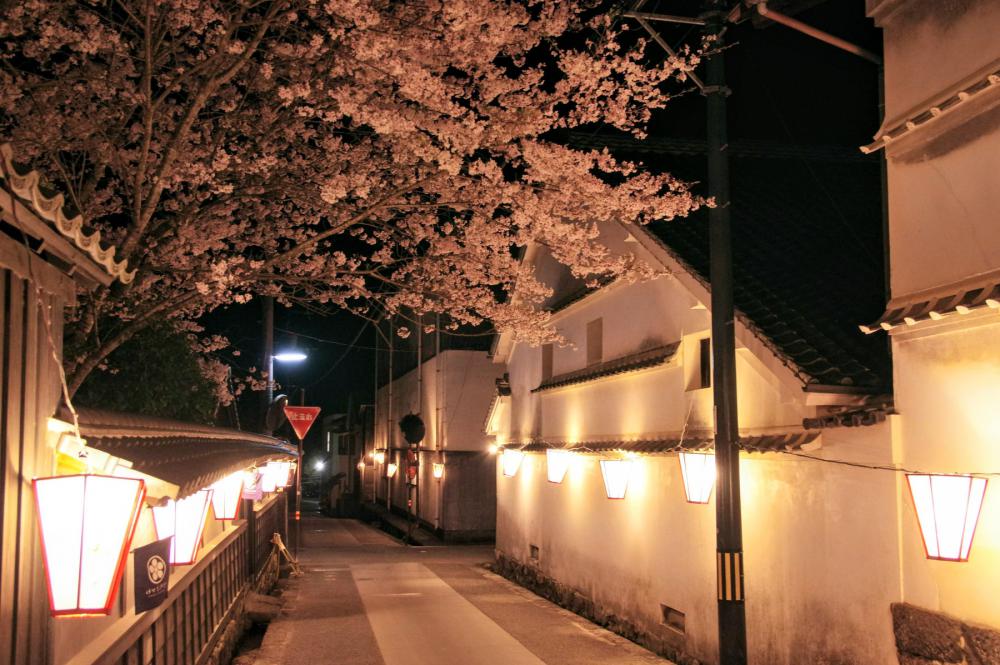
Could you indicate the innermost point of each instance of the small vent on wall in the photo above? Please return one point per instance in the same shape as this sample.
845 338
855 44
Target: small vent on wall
533 552
672 618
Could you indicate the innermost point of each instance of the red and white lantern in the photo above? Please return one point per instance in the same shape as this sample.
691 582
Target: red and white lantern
948 510
227 496
511 461
86 523
616 473
557 464
698 471
185 521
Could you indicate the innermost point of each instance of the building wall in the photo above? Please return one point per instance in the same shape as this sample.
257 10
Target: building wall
947 390
821 540
941 178
820 549
943 229
457 389
29 394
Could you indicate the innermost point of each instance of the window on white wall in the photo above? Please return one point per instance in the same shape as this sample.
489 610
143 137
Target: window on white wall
705 363
595 341
546 362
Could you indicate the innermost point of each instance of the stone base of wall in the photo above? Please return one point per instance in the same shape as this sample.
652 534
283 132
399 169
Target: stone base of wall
931 638
668 646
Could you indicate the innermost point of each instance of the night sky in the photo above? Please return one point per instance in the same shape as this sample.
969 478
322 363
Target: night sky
787 88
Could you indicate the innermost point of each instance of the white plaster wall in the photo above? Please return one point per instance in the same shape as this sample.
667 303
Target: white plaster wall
943 214
819 539
947 392
930 45
467 385
636 317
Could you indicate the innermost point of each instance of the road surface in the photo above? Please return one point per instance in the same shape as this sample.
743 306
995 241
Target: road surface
365 599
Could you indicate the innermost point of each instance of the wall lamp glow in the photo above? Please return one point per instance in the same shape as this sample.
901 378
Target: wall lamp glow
86 524
557 463
380 457
226 495
948 510
185 521
493 449
390 469
616 473
698 471
438 470
361 466
511 460
290 356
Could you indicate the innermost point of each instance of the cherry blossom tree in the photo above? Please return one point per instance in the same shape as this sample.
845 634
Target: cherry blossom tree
366 154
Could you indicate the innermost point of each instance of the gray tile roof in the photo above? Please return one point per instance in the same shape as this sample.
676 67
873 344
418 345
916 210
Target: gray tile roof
631 363
187 455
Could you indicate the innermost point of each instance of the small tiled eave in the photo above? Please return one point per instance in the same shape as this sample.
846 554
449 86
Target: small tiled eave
978 85
757 443
872 413
981 294
43 215
187 455
634 362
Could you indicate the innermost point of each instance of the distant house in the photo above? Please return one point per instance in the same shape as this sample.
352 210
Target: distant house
46 258
941 141
453 486
610 414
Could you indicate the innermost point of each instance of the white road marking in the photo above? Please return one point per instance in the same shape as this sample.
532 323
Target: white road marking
419 620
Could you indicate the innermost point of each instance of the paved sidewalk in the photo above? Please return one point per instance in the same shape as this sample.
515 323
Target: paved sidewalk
365 599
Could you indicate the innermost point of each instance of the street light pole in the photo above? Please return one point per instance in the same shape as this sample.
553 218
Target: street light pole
729 529
267 303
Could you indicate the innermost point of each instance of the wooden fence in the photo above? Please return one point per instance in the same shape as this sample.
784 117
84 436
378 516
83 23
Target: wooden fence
184 630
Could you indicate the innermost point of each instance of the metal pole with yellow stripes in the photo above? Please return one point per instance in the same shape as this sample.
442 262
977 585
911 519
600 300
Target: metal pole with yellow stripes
729 531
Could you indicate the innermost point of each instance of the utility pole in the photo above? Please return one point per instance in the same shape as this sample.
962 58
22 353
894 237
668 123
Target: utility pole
729 528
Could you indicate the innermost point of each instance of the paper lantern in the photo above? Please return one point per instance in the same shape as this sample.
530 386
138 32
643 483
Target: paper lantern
390 469
86 523
557 463
438 470
380 457
282 472
698 471
185 521
227 496
616 473
511 460
947 509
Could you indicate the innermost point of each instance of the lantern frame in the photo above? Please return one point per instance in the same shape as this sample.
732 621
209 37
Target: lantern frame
437 470
927 506
220 497
128 533
698 476
511 461
194 531
616 473
557 461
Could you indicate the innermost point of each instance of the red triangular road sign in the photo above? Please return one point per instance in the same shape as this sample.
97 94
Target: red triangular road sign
301 418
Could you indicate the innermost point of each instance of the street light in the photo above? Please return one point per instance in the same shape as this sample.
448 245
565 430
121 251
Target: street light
290 356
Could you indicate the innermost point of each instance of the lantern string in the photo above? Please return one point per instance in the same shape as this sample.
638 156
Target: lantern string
43 308
886 467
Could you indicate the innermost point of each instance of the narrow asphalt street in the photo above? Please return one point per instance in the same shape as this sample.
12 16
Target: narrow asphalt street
365 599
